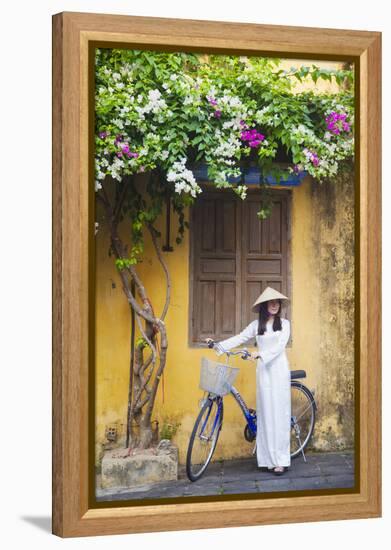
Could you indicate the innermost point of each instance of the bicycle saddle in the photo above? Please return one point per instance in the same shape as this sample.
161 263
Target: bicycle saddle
298 374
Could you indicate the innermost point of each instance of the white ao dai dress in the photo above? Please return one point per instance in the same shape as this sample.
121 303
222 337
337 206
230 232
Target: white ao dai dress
273 391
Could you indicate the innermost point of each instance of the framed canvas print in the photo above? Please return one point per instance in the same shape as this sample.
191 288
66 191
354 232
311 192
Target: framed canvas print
216 274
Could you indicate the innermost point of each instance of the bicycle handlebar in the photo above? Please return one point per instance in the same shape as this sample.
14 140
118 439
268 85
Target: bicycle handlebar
245 354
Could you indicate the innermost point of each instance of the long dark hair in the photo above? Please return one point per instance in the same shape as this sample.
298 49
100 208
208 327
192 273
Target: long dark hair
264 316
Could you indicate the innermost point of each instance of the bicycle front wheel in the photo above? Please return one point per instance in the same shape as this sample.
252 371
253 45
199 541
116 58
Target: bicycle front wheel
203 439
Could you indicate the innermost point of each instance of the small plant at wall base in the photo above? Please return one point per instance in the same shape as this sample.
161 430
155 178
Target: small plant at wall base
169 429
157 114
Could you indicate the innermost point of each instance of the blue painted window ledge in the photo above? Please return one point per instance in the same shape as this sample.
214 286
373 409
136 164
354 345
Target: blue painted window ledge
252 176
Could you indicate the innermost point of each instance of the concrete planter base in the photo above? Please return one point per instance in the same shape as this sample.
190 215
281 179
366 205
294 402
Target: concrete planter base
140 467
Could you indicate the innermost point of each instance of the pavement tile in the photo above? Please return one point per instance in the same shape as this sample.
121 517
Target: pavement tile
239 487
243 476
310 483
340 481
265 476
131 495
309 463
333 458
121 496
206 480
350 463
239 464
303 471
216 468
334 469
202 490
273 485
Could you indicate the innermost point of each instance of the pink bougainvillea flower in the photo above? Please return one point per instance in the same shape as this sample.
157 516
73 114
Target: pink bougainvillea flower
211 100
102 135
125 148
336 122
312 156
217 113
118 139
253 137
315 159
134 155
119 154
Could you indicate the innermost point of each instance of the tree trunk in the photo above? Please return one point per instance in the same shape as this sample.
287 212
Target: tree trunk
145 434
146 374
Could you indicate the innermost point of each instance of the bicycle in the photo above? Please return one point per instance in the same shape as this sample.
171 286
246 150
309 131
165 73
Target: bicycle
217 381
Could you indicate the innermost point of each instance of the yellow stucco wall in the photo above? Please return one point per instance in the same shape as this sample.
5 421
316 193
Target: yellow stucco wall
322 328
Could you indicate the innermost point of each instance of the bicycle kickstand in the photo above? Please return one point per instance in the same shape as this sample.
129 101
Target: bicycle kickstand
304 458
299 440
302 450
255 448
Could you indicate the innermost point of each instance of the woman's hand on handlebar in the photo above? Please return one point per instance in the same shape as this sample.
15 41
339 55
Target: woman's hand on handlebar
210 342
245 354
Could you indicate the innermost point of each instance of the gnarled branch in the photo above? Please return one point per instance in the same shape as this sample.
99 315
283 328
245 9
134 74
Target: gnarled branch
153 233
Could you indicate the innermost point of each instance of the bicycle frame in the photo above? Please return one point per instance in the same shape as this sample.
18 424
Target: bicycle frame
216 421
250 418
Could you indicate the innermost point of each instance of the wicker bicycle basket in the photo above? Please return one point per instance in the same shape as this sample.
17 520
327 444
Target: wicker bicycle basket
216 377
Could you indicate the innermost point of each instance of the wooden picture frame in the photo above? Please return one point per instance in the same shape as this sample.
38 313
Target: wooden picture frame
73 36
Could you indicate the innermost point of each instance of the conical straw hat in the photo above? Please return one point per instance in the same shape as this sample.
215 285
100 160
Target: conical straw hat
268 294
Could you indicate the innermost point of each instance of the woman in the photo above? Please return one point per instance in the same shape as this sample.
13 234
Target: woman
273 389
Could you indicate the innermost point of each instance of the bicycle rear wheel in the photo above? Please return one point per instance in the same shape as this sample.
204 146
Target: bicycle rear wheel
303 411
203 439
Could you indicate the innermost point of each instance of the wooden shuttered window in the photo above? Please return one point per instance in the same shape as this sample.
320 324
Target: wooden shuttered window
233 257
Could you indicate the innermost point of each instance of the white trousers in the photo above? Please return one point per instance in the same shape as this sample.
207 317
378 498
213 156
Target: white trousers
273 395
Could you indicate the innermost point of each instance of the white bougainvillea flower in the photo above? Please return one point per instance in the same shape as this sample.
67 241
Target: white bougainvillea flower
183 178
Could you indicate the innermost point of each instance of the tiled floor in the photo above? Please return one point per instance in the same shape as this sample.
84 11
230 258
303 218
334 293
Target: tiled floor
321 471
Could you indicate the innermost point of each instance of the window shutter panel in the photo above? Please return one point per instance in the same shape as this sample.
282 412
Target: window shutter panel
264 252
215 266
